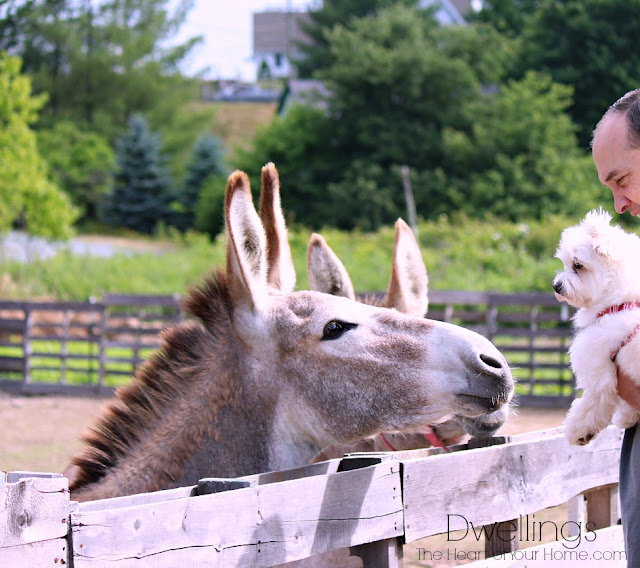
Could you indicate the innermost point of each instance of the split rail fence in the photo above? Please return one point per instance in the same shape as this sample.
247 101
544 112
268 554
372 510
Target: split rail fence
91 347
372 503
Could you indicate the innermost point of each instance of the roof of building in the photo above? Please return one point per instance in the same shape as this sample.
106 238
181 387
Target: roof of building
278 32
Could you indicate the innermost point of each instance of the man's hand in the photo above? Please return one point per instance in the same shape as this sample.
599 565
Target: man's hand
628 390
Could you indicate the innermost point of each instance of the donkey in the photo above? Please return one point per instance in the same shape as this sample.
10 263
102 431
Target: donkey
261 379
407 292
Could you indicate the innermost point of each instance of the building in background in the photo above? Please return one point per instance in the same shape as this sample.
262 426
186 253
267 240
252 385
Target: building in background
275 39
276 35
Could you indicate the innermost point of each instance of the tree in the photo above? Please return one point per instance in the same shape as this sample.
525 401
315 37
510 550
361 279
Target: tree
141 186
100 62
27 196
317 51
301 144
520 159
506 16
585 44
207 161
81 162
405 91
398 80
209 211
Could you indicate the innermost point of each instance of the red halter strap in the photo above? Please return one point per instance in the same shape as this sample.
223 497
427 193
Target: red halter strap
632 333
619 308
625 341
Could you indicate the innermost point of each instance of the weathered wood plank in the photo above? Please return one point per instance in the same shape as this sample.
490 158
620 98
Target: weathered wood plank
457 297
34 522
321 468
45 554
141 300
15 364
257 526
37 516
505 482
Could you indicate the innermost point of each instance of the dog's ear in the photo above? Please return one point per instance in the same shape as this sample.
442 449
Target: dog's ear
608 246
603 248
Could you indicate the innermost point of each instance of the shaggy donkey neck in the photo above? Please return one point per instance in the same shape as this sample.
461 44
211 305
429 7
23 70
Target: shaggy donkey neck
187 414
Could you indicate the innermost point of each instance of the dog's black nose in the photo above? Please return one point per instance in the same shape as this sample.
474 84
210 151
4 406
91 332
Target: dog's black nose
557 287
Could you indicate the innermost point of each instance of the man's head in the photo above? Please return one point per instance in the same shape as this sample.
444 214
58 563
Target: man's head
616 152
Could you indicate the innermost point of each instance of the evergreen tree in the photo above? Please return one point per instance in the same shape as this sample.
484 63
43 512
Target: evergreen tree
207 160
142 187
330 13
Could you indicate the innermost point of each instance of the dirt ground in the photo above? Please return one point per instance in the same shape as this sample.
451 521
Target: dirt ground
42 433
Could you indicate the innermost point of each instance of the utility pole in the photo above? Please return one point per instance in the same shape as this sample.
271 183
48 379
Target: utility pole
411 204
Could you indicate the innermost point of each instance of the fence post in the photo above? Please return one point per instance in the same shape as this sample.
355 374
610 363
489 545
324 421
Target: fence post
26 344
102 332
64 346
602 506
380 554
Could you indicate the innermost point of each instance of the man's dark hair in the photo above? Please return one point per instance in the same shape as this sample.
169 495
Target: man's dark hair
628 103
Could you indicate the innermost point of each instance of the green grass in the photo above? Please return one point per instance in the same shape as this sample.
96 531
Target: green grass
47 363
460 254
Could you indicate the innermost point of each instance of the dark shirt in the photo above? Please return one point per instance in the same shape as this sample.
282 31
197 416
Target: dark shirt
630 495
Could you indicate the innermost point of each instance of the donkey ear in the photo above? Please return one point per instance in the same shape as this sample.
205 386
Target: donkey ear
326 273
246 246
408 286
281 273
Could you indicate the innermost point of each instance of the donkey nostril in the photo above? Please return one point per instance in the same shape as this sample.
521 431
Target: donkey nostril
488 360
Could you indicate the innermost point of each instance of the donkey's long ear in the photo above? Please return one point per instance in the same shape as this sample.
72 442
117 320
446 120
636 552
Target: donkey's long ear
246 246
326 273
408 286
281 273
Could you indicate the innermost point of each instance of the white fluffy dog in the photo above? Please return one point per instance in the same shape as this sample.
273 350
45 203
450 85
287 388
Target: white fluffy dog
601 278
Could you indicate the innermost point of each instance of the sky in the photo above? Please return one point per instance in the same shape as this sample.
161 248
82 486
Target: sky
227 28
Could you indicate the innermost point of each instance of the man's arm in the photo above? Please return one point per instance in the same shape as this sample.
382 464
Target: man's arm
628 390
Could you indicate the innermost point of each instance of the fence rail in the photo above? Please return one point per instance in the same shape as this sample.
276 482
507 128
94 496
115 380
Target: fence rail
91 347
373 503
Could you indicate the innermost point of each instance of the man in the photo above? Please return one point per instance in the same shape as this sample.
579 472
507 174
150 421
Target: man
616 153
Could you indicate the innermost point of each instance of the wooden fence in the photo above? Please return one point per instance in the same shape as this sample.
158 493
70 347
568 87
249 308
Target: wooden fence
80 347
374 503
92 347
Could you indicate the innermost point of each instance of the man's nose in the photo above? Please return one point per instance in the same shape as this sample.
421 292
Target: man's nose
621 203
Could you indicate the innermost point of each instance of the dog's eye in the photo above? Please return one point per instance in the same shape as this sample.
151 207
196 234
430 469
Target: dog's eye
577 266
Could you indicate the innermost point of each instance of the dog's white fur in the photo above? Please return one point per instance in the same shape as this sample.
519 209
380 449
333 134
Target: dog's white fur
601 269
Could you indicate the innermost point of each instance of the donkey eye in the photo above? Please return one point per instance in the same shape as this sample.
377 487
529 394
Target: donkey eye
335 329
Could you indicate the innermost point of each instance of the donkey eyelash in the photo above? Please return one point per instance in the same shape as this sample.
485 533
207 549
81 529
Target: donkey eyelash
336 328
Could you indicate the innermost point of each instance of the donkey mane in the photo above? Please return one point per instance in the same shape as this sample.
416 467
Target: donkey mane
160 383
